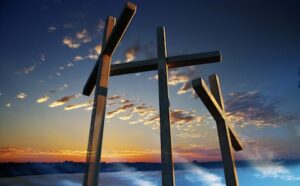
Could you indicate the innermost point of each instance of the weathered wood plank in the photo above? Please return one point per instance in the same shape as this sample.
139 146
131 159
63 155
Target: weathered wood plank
223 130
216 90
111 44
208 99
151 64
98 114
172 62
227 154
164 112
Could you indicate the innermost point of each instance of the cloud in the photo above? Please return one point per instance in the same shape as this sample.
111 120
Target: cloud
143 109
114 97
135 177
201 175
126 117
148 115
198 175
63 87
69 64
94 52
83 36
79 105
63 100
70 42
8 105
29 69
186 87
262 160
43 57
0 94
252 108
180 117
51 28
181 77
117 62
130 53
122 108
42 99
22 95
78 58
98 49
101 25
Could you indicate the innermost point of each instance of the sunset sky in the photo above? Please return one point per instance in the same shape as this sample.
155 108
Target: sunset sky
48 49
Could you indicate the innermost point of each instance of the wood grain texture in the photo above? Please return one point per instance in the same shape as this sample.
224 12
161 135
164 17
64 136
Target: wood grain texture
164 112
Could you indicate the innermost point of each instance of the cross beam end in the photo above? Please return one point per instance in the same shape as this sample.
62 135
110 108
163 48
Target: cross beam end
208 99
111 44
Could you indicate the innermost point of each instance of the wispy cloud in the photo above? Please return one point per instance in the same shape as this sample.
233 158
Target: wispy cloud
70 42
22 95
94 52
183 78
130 53
122 108
69 64
43 99
63 100
262 159
29 69
8 105
63 87
80 38
252 108
79 105
135 178
83 36
201 175
43 57
101 25
148 115
51 28
78 58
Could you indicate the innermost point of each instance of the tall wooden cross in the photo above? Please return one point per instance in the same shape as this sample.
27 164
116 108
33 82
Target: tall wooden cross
99 79
213 101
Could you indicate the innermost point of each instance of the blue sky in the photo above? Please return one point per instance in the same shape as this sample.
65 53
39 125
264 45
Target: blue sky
48 49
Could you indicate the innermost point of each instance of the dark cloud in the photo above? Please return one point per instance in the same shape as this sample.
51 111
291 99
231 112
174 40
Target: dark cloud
253 108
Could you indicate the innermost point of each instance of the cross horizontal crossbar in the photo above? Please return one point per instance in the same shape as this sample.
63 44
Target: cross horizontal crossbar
213 107
151 64
113 40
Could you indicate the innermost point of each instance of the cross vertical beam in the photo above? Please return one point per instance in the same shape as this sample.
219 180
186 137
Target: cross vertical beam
98 113
100 78
164 104
214 104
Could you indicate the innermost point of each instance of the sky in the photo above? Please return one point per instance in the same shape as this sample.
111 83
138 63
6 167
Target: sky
48 49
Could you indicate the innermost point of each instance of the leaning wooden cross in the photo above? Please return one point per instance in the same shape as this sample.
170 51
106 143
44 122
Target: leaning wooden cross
213 101
99 79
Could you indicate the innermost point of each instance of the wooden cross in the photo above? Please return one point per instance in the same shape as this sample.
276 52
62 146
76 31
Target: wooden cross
111 38
100 76
213 101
